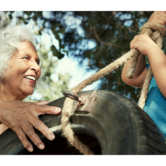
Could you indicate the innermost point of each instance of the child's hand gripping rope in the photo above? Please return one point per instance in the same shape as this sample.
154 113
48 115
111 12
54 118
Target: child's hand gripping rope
143 43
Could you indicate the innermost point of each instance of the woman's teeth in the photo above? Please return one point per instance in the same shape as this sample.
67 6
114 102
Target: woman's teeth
31 77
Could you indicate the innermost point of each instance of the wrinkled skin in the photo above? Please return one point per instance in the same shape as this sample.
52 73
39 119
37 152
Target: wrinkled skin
22 117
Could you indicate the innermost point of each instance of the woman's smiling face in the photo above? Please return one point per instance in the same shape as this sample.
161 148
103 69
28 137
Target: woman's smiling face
23 71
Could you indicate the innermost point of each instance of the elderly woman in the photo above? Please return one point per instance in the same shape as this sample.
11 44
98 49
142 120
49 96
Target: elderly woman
19 72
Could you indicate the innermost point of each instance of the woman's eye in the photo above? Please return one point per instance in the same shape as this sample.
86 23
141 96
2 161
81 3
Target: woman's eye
25 57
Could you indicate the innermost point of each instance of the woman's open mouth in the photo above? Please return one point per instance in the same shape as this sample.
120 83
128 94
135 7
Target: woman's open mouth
31 79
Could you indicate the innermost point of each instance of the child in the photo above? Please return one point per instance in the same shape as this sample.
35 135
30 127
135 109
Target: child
155 105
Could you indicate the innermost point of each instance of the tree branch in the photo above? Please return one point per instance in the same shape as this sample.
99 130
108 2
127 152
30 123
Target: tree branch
97 37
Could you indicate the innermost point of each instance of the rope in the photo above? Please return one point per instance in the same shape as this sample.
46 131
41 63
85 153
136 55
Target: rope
70 105
156 32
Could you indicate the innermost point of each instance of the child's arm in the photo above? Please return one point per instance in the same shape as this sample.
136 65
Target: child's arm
158 17
156 57
141 71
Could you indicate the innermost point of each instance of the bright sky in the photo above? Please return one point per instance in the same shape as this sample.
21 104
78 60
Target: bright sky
78 73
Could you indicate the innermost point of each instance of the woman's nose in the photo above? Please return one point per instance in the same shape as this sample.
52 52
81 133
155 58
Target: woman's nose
35 67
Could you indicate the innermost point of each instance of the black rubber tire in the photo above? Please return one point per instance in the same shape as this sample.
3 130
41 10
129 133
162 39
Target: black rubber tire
118 124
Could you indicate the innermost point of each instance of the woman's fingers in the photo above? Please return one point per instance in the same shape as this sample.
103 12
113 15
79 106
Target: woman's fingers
23 138
25 128
29 131
29 119
39 125
45 109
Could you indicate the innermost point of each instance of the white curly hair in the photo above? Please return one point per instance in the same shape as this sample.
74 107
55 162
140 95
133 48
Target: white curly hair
10 39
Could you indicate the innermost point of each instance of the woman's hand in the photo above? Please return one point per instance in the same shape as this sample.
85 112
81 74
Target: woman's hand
143 44
158 17
21 117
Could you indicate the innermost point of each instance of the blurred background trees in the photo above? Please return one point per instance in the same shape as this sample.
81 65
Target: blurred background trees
99 37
